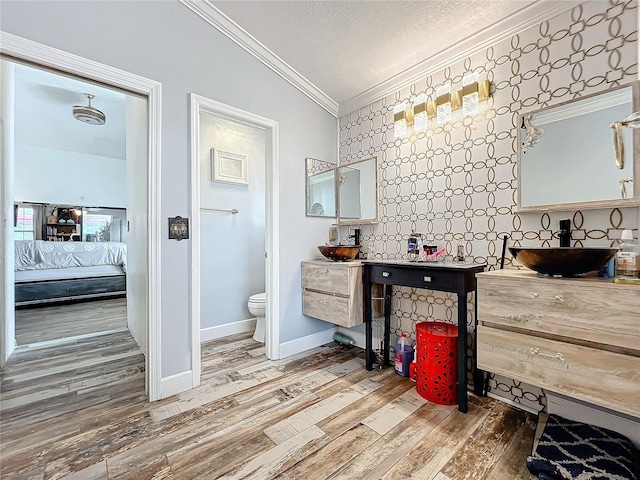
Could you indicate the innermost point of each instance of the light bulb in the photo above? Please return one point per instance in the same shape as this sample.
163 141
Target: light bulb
443 109
420 117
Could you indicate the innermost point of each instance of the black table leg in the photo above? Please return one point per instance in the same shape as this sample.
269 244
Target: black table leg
369 354
462 353
387 324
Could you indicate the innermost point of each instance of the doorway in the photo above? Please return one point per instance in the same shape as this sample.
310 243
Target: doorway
144 216
230 115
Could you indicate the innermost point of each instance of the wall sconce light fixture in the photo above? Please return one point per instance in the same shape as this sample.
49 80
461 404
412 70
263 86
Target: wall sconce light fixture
533 134
418 114
632 121
443 104
400 123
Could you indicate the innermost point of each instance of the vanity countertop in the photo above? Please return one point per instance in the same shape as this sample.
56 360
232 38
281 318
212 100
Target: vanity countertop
590 277
441 265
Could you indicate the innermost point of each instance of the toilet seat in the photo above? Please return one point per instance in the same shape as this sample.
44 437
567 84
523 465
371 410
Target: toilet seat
258 298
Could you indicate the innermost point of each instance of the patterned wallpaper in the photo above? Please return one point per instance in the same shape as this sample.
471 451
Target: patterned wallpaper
457 183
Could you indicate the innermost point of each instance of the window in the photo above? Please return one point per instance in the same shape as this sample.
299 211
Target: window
96 227
24 229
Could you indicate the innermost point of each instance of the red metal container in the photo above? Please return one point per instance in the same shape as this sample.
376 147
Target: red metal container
437 362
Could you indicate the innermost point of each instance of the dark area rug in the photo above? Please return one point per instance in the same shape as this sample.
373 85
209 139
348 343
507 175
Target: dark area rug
578 451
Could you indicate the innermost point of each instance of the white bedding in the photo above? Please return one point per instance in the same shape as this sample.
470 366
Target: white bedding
25 276
41 255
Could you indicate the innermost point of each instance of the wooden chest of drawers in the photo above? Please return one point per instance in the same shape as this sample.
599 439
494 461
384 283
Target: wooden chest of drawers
576 336
332 291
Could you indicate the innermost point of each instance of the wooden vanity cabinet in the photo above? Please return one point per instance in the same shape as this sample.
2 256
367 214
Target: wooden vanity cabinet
576 336
332 291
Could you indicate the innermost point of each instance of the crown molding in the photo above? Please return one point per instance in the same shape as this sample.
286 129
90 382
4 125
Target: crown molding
500 30
242 38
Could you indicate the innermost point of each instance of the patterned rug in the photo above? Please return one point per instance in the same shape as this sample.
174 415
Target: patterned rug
577 451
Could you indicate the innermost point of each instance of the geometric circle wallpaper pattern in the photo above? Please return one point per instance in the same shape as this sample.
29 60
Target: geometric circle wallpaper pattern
456 183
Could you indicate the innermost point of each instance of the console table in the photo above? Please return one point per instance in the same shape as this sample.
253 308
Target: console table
458 278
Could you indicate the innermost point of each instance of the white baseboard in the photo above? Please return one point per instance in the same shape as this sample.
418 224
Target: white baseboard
358 337
302 344
519 406
219 331
594 415
174 384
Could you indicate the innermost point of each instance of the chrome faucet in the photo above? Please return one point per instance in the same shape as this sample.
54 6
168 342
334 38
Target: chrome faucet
565 233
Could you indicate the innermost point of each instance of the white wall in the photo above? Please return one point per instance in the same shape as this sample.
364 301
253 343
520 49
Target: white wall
68 178
232 254
7 164
186 54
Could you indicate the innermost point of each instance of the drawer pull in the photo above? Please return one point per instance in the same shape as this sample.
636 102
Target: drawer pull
560 298
536 351
533 294
427 279
326 302
324 271
386 274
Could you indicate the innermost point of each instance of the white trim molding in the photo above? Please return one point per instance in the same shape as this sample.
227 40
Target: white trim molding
272 216
303 344
219 331
19 48
174 384
226 26
527 17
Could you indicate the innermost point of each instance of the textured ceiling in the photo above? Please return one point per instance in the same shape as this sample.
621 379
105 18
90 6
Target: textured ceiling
345 48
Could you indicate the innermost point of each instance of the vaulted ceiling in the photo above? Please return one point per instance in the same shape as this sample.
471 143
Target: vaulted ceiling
349 48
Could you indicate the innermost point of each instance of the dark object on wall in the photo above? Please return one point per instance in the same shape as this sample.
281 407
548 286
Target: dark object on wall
178 228
565 233
55 291
504 251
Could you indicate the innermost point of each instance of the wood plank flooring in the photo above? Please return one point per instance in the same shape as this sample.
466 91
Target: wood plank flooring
41 324
317 415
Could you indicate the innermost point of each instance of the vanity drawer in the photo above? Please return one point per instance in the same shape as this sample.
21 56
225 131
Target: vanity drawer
596 376
338 310
608 314
433 279
326 277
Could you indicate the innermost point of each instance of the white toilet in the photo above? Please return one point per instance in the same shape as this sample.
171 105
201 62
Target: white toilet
257 306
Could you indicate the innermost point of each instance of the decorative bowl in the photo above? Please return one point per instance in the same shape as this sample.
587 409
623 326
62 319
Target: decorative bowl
339 253
562 261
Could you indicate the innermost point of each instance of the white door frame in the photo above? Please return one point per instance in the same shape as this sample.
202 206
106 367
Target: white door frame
272 213
26 50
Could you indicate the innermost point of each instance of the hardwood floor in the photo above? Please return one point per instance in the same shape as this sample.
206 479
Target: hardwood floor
54 322
313 416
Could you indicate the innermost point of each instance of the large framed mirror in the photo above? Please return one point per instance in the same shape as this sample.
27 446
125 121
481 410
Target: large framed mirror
566 157
321 188
358 192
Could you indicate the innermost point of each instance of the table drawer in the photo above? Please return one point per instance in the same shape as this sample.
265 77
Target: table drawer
565 307
338 310
596 376
389 275
331 278
434 279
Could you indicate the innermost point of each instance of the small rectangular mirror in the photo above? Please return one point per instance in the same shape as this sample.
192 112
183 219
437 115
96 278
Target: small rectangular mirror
321 188
566 156
358 192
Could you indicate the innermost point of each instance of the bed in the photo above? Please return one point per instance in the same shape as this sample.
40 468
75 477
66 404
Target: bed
48 272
